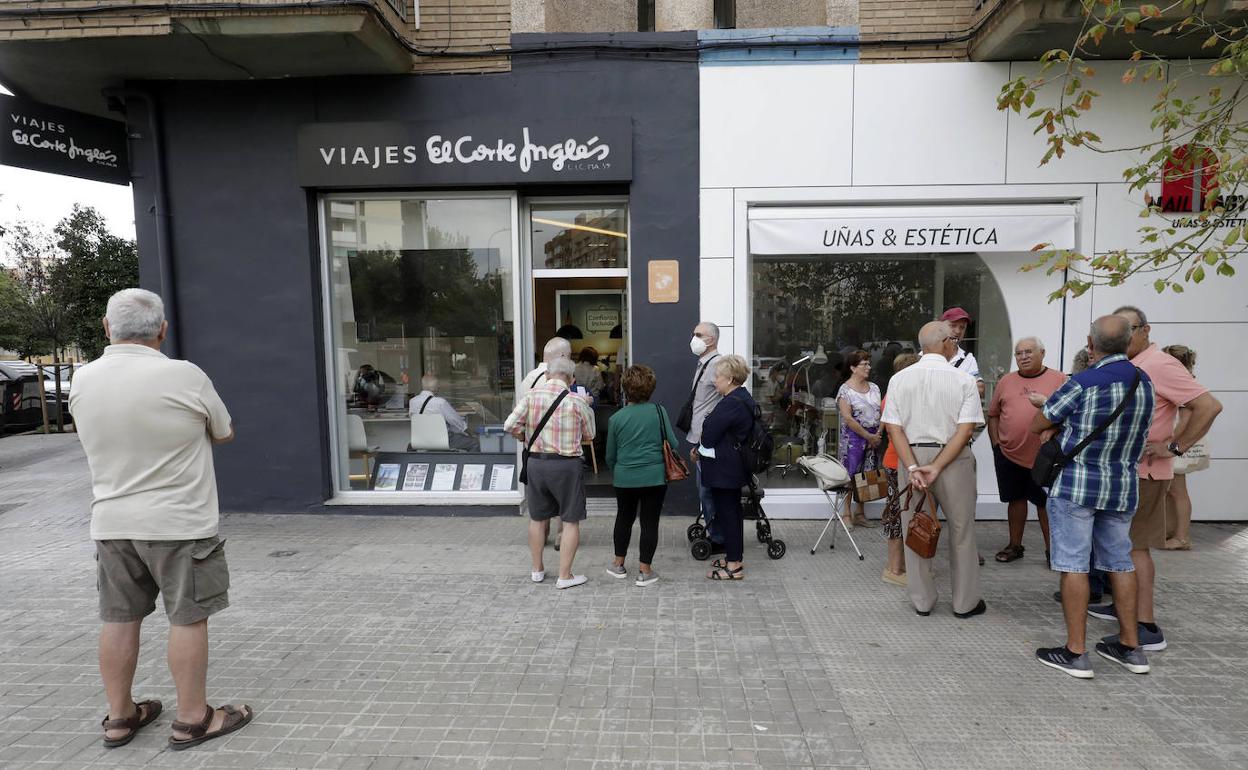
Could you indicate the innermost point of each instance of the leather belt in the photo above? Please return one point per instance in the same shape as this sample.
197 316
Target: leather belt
930 445
554 456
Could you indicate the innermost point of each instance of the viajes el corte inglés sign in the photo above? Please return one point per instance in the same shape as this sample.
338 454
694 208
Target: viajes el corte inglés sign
489 151
885 231
44 138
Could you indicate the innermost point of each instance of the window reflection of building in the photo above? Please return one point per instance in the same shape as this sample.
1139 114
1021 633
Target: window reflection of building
597 240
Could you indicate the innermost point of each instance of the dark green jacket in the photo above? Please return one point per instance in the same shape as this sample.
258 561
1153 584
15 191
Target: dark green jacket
635 445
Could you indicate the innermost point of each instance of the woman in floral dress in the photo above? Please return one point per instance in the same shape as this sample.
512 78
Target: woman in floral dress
859 404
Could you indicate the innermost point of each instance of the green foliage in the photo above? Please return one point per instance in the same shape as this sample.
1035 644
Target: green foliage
1183 117
60 284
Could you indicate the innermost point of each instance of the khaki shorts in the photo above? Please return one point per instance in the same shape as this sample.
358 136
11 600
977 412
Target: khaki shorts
191 575
1148 526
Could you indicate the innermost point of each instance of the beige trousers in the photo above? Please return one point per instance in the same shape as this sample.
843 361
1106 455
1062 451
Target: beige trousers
955 490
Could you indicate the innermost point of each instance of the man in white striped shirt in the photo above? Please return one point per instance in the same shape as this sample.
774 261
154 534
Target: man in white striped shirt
931 412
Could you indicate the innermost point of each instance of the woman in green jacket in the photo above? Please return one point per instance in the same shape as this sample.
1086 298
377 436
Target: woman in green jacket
635 456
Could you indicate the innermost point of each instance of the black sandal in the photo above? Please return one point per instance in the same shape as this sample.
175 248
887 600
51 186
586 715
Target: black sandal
133 724
1010 553
234 720
723 573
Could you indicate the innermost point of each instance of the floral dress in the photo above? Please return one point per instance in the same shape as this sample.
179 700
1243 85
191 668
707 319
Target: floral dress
856 455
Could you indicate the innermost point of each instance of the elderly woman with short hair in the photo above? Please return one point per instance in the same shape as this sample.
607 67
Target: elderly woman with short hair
635 436
723 464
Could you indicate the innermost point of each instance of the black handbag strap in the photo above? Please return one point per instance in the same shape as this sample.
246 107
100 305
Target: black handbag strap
693 392
662 428
1105 425
545 419
422 406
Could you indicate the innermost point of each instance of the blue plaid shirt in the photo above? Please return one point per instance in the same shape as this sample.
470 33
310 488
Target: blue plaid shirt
1102 476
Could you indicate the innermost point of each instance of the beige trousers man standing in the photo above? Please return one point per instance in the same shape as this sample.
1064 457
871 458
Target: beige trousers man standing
955 491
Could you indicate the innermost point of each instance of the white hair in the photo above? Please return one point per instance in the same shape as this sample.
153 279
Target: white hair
1039 343
933 335
134 314
429 382
563 368
556 347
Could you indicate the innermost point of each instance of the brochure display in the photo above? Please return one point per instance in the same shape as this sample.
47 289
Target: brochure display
444 472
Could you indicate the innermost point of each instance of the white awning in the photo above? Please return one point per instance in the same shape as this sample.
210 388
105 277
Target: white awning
910 229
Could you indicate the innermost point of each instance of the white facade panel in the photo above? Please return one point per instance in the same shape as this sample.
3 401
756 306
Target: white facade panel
715 222
1118 218
959 140
1120 116
1218 493
777 125
717 290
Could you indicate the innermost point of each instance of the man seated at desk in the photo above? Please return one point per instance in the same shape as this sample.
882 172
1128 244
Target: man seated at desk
428 402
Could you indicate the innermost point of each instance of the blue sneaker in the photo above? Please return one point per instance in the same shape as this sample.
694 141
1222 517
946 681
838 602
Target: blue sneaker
1130 658
1063 659
1152 641
1104 611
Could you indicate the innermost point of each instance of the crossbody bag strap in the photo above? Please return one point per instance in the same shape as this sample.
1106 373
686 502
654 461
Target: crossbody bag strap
422 406
662 428
545 419
694 390
1113 416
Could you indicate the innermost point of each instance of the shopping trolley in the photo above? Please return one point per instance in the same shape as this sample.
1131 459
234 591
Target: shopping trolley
833 480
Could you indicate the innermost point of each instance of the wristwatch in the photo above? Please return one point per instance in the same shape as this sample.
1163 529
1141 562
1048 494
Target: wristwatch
1173 446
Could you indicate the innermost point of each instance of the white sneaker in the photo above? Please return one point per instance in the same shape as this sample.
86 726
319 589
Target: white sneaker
537 576
617 571
646 578
575 580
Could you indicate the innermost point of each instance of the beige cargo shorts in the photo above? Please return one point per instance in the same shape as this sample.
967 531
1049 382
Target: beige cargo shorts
191 576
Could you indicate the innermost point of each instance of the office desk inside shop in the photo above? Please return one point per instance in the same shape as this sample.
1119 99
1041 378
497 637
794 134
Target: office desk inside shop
391 430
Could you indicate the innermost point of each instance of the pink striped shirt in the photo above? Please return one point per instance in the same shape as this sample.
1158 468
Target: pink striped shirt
572 422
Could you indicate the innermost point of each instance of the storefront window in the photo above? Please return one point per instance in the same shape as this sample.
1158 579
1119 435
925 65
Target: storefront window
809 312
565 237
420 294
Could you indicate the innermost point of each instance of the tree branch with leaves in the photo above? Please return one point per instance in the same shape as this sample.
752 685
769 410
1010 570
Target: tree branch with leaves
1199 141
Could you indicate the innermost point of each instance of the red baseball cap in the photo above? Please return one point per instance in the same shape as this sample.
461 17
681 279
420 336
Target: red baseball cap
955 314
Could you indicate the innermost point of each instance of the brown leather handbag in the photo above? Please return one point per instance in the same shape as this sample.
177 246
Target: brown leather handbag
924 532
674 467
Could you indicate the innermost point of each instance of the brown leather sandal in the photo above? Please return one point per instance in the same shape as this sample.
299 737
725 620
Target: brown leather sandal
133 724
234 720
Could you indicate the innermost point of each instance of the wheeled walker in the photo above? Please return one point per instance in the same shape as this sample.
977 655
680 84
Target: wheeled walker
751 509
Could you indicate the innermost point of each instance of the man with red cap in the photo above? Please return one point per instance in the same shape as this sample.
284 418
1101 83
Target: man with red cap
959 319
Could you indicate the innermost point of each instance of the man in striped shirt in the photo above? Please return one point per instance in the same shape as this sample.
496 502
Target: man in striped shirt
556 485
1095 494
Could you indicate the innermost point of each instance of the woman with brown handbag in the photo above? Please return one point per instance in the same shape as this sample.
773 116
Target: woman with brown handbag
636 438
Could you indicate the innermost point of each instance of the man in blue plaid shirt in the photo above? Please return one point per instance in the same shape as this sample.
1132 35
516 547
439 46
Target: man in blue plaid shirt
1095 494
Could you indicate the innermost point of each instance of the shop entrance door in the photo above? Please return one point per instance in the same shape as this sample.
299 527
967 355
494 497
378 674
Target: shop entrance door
578 289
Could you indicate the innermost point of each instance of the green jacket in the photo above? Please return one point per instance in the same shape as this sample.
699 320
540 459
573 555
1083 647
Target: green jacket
635 445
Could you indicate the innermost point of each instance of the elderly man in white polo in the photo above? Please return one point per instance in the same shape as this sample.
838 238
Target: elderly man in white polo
931 411
147 424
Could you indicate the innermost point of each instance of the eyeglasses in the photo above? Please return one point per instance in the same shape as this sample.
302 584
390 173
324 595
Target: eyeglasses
954 340
1136 327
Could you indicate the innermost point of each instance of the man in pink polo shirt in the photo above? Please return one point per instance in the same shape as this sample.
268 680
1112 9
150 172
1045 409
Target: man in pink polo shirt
1175 388
1014 446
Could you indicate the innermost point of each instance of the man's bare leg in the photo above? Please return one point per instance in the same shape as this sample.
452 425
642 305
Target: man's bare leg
1145 573
1016 512
1042 514
1075 608
571 538
1124 584
119 657
188 662
537 542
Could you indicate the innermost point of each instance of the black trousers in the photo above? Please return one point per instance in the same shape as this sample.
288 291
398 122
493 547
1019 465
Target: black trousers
627 502
728 521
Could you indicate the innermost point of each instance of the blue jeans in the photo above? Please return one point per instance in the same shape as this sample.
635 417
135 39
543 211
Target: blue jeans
708 510
1082 537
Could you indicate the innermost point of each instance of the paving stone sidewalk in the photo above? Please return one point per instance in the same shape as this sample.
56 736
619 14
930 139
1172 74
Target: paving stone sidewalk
419 642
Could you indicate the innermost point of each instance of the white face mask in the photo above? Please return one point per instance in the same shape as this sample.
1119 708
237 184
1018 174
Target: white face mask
697 346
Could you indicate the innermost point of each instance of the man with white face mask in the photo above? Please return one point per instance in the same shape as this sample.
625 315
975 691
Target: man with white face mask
702 399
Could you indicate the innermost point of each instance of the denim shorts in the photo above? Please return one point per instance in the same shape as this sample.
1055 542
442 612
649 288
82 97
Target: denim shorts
1074 528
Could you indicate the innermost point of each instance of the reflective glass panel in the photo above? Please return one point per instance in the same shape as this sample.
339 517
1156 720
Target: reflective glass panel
565 237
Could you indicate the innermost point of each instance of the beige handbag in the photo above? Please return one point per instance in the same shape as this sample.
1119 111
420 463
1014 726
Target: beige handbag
1196 458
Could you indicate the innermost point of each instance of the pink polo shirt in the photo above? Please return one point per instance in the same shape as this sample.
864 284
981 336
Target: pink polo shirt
1174 387
1015 413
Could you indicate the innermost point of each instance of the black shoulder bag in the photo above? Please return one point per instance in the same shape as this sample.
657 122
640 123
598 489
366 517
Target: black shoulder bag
528 449
1051 459
684 420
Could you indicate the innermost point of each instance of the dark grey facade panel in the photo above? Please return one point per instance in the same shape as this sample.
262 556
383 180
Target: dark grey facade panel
247 256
